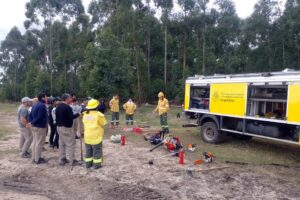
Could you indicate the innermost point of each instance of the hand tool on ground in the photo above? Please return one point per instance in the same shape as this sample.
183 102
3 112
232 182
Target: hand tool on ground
190 171
151 162
81 150
156 146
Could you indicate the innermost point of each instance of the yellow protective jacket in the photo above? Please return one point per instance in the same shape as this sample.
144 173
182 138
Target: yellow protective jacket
93 122
162 106
114 105
129 107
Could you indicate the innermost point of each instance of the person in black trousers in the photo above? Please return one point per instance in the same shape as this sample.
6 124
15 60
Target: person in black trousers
50 121
53 115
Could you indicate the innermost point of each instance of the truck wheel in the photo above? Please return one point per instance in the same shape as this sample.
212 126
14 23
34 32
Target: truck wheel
211 134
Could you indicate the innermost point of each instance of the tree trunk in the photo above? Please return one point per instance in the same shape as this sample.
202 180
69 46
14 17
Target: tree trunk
51 59
149 46
298 48
65 74
184 52
148 56
184 58
283 54
203 50
204 43
138 73
165 58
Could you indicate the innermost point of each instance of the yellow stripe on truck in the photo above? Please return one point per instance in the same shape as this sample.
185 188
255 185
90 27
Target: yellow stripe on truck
187 96
228 98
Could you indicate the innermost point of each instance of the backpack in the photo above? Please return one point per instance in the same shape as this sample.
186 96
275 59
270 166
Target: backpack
155 139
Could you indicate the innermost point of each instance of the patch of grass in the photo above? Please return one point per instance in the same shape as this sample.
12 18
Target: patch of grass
4 132
8 108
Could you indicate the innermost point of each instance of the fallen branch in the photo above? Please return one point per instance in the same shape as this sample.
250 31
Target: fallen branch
270 164
209 169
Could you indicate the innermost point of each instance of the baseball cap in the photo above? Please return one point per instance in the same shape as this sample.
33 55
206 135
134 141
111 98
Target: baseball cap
26 99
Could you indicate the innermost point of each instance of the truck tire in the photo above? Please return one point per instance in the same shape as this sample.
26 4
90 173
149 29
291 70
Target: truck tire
211 134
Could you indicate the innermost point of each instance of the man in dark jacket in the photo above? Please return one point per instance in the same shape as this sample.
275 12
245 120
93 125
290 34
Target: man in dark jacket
102 107
64 122
38 119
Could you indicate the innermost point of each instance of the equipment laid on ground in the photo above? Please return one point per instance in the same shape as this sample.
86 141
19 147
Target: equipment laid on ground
115 138
156 146
170 143
138 130
181 157
191 147
208 157
264 105
189 125
151 162
123 139
156 139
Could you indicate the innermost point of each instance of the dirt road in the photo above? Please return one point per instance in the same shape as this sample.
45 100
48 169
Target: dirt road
127 175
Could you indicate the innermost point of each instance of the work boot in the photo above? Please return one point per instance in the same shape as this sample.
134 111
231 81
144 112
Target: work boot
76 163
97 166
88 165
63 162
41 161
26 155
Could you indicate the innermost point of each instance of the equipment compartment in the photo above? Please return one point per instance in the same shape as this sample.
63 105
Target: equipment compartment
267 101
200 97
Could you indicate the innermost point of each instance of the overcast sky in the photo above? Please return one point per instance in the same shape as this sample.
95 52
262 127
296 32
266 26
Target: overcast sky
12 13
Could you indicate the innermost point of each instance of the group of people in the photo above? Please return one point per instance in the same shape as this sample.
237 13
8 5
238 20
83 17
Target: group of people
64 115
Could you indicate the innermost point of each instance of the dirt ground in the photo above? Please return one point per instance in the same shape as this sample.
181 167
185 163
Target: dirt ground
127 175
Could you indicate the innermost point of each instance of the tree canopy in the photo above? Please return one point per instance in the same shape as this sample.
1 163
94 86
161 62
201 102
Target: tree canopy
123 47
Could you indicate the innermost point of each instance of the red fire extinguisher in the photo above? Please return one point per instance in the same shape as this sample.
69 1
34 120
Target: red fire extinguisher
123 140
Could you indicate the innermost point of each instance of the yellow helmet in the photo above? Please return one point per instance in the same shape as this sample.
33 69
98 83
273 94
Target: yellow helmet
161 94
92 104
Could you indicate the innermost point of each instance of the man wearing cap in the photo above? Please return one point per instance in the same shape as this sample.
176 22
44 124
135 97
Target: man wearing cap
38 122
26 134
64 123
162 110
93 121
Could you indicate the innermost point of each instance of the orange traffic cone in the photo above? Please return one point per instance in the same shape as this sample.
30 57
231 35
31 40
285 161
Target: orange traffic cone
181 157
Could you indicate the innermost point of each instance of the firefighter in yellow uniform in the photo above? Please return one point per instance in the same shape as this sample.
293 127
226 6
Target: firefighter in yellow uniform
162 110
115 110
93 121
129 108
